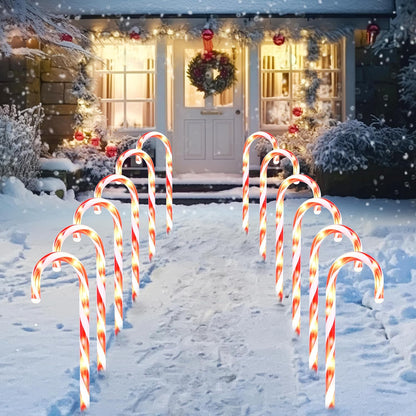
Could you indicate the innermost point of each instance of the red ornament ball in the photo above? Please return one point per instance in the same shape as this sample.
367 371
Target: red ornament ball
66 37
207 34
134 35
372 31
95 141
293 129
278 39
79 135
297 111
111 150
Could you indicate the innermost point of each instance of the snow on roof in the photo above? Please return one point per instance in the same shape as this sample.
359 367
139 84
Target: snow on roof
237 7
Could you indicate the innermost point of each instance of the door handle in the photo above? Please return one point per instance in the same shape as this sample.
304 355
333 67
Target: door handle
237 112
211 112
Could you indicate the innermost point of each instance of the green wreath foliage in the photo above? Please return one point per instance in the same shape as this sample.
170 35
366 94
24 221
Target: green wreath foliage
201 69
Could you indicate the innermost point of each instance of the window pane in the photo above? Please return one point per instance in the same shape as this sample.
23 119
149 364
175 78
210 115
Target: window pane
275 57
140 86
114 113
139 115
276 112
139 57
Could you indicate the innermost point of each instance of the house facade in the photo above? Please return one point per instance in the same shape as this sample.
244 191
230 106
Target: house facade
142 56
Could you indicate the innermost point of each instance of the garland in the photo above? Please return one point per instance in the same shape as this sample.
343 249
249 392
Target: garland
201 71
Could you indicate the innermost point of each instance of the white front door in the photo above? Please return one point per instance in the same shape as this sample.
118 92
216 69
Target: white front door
208 133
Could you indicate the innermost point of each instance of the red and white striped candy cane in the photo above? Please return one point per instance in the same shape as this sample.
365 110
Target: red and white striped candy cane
314 282
84 315
296 250
134 198
169 171
330 313
151 191
280 222
118 251
100 266
246 163
274 154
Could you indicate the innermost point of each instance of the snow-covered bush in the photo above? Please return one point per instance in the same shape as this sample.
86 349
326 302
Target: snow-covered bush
407 82
353 145
20 143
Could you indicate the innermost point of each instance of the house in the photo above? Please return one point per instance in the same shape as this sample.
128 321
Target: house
145 49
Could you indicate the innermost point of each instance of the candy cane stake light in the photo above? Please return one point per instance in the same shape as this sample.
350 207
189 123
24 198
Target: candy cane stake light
272 155
246 163
100 266
134 198
280 222
314 282
296 250
330 313
84 315
118 251
169 171
151 191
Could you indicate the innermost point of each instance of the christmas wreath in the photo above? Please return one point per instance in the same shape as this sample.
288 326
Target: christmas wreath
203 68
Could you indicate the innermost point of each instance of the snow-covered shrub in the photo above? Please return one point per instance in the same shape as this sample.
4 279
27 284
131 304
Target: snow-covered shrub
407 82
353 145
20 143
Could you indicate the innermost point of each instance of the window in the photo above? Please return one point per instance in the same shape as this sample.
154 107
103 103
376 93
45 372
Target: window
126 84
282 76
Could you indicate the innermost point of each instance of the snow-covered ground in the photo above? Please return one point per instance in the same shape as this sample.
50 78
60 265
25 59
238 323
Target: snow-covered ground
207 335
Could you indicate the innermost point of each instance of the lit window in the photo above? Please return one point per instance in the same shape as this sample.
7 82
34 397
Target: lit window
282 75
126 84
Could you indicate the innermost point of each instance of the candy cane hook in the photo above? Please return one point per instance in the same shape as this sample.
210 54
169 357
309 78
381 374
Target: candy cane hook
296 250
169 171
330 313
97 204
246 163
134 198
100 266
84 315
314 282
280 222
272 155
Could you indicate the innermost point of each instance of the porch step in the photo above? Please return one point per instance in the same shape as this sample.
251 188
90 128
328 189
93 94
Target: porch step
189 189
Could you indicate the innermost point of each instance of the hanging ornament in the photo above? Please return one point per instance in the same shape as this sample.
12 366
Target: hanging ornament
207 35
293 129
134 33
66 37
278 39
95 141
111 150
297 111
79 135
372 31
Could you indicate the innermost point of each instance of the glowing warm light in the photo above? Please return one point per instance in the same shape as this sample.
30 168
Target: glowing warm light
272 155
296 249
134 203
279 222
246 163
336 229
330 313
97 203
84 315
169 170
100 266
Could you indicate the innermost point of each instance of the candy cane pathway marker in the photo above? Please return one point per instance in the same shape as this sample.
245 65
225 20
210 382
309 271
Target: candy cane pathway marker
84 315
169 170
274 154
296 250
314 282
280 222
330 313
134 198
118 251
100 266
246 163
151 191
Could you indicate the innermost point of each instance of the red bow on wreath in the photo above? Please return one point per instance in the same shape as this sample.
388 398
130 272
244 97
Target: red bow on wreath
207 35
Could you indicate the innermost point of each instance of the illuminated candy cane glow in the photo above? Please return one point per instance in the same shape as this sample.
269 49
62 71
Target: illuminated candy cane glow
134 199
330 313
246 163
169 169
118 252
84 315
296 250
280 222
151 191
100 265
274 154
314 282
